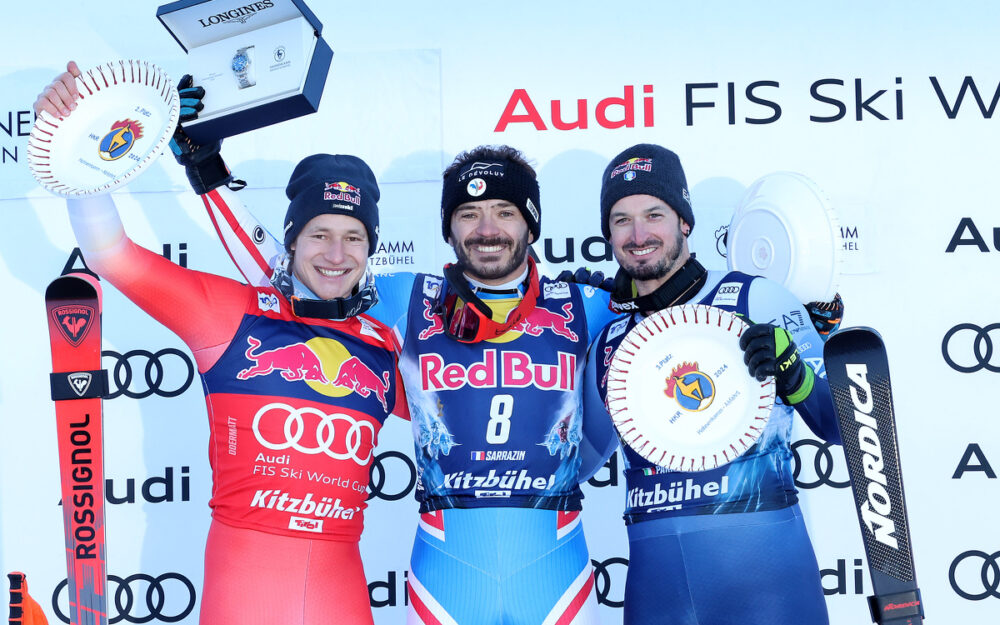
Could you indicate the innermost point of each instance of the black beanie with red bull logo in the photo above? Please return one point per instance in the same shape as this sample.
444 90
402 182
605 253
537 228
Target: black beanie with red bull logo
338 184
645 169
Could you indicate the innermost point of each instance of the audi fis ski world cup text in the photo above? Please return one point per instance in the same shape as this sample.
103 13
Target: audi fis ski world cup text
757 102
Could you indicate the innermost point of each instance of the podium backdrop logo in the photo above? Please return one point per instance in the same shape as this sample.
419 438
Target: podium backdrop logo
815 462
141 598
967 584
167 373
968 348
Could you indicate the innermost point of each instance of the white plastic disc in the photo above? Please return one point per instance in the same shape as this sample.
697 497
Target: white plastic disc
679 393
122 123
785 229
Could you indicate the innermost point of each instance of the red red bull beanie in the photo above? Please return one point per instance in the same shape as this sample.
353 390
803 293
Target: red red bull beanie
332 184
645 169
487 175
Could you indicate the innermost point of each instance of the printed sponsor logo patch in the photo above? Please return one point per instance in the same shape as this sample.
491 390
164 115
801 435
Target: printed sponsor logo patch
556 290
268 302
728 294
305 525
79 382
74 322
617 328
432 286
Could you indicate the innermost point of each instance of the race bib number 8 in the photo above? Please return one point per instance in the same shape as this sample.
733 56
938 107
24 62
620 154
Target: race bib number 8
498 427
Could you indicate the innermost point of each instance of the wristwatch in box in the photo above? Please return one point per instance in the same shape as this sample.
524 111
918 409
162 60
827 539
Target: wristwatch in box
243 66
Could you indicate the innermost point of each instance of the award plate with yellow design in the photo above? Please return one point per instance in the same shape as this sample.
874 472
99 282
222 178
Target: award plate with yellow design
124 119
679 392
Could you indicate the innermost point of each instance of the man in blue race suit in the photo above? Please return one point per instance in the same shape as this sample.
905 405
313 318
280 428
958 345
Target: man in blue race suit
731 547
492 359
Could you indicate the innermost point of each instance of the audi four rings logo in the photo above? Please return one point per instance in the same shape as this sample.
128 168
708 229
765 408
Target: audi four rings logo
294 428
154 372
604 582
988 582
814 463
969 348
379 476
169 598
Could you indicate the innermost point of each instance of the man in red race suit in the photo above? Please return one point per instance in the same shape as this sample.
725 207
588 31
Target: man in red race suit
298 382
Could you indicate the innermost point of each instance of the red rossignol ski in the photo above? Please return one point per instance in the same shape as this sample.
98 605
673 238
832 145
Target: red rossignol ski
73 304
857 369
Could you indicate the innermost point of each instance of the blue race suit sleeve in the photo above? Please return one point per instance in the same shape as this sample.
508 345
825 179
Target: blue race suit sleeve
769 302
393 299
599 437
595 305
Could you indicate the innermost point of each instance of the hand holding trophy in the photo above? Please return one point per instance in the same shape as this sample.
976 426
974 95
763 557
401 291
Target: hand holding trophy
123 116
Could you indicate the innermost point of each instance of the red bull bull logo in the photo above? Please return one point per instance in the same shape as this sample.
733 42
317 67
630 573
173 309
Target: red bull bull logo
633 164
542 319
292 362
311 362
358 377
437 321
120 140
341 192
535 324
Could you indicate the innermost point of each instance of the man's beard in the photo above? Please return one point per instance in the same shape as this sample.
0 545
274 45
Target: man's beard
656 271
481 272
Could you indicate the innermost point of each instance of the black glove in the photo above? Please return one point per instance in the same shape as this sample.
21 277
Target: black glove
826 316
584 276
770 350
203 164
191 97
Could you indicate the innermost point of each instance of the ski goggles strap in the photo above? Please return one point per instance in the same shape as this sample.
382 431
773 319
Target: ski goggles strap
472 321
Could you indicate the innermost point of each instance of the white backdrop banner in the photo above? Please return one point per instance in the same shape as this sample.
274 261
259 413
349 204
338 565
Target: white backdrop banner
891 109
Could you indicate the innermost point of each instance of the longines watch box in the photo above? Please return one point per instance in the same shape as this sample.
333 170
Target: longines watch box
260 62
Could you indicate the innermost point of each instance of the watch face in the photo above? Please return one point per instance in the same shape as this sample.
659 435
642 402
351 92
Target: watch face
240 62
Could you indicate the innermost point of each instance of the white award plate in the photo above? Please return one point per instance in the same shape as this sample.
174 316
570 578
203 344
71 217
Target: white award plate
680 394
785 229
124 119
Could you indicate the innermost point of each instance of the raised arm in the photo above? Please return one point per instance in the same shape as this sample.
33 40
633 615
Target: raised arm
204 310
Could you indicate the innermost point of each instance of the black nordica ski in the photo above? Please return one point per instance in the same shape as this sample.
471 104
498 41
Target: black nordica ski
73 304
858 372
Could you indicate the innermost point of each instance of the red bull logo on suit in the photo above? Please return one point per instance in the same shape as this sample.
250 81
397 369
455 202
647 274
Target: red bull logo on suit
324 364
542 319
539 320
512 369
